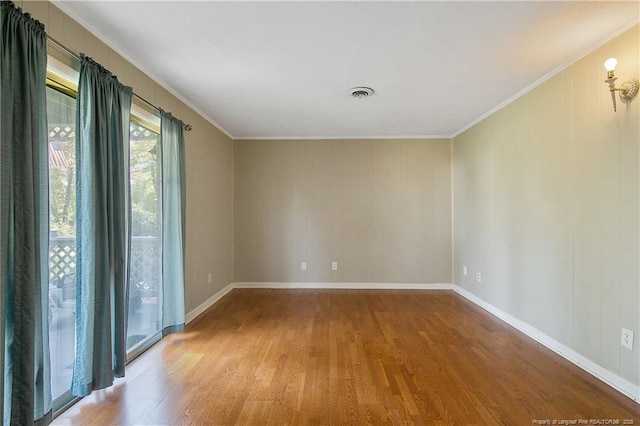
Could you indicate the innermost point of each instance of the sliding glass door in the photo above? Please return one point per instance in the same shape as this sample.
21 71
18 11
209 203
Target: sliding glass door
145 283
61 117
144 322
145 280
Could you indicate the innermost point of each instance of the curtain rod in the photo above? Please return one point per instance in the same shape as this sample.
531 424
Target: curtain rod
187 127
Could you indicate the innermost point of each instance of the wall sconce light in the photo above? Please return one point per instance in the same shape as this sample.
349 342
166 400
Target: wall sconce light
628 90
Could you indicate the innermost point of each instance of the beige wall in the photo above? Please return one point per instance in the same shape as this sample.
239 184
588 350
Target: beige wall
380 208
546 207
209 159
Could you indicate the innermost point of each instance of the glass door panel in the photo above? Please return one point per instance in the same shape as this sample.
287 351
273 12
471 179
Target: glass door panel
145 275
61 117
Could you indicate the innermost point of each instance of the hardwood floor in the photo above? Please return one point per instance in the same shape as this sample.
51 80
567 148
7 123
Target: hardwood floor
335 357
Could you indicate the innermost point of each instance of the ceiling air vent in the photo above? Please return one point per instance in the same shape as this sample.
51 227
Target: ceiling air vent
361 92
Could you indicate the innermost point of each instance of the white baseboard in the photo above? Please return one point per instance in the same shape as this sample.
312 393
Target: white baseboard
311 285
208 303
345 286
612 379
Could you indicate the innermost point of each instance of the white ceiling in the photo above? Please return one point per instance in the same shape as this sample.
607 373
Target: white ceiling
283 69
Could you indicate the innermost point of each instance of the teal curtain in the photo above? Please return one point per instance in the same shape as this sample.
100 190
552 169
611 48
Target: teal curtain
103 212
24 220
173 223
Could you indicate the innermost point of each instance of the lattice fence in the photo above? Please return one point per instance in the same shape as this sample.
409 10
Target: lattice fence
62 257
145 259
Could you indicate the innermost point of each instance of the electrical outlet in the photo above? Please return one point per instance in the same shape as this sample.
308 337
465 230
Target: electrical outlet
464 271
626 339
303 266
209 278
478 276
334 266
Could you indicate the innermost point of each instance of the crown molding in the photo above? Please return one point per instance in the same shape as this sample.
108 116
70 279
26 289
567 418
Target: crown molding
63 6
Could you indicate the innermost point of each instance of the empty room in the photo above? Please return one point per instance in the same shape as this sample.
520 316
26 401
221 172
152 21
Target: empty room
320 212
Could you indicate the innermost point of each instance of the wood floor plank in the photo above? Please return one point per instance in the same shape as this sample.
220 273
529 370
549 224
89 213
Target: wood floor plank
333 357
